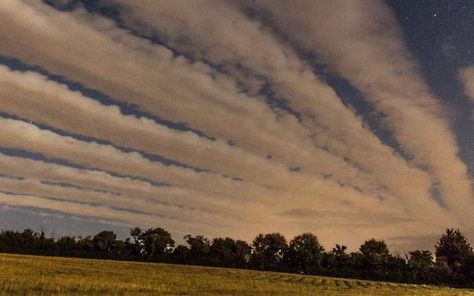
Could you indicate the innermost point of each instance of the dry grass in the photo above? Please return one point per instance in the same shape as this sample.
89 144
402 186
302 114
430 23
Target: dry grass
31 275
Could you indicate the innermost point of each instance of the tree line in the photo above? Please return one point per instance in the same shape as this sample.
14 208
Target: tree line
452 263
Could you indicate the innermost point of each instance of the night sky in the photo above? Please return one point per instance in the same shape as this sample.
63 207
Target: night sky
350 119
440 34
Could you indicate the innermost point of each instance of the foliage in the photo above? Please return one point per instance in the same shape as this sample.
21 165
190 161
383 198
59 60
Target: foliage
304 254
418 262
155 243
454 264
455 248
268 251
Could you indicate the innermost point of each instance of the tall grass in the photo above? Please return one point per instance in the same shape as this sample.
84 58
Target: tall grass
31 275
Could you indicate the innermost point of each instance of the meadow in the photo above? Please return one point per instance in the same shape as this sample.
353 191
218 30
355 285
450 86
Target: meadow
36 275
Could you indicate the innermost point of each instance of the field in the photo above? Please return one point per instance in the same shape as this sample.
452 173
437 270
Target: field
31 275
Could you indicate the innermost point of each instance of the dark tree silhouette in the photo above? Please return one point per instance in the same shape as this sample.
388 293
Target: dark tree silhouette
373 259
468 272
375 250
105 244
420 264
454 248
268 251
304 254
66 246
199 247
228 252
155 243
181 255
337 261
454 264
135 244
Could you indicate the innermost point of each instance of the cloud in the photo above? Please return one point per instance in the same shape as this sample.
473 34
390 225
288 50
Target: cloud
98 181
202 31
28 137
354 37
32 97
73 208
253 199
348 185
25 94
171 87
80 185
466 76
127 204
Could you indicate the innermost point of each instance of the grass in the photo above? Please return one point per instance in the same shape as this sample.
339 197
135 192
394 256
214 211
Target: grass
35 275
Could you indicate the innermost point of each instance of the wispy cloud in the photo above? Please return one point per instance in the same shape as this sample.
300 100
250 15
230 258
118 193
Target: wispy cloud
361 41
333 126
281 151
466 75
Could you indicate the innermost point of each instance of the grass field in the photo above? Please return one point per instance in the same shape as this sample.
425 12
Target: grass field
31 275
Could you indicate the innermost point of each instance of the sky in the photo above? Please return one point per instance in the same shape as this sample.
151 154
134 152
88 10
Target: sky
348 119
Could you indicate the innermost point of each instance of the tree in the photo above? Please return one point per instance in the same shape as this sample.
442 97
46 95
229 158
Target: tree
268 251
454 263
85 247
394 269
135 245
242 254
180 255
104 244
228 252
374 259
455 248
374 249
155 242
220 252
468 271
66 246
420 264
199 247
337 261
304 254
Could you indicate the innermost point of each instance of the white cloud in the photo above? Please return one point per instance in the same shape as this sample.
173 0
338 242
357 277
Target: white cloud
368 188
466 76
355 37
